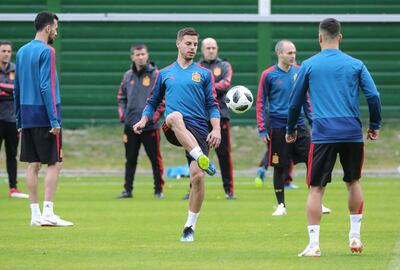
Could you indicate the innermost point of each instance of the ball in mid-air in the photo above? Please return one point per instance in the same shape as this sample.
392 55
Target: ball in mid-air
239 99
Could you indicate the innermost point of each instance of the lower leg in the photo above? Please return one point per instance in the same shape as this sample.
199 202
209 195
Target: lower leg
314 213
355 204
50 181
279 185
32 181
196 194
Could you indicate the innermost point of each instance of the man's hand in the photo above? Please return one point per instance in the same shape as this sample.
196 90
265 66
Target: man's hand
55 130
139 126
214 138
373 134
291 138
265 139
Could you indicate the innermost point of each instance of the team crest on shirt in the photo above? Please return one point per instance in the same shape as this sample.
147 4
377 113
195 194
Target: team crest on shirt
217 71
146 81
196 77
295 77
275 159
12 75
132 82
125 138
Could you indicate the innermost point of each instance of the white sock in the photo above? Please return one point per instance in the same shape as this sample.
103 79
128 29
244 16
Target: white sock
48 208
192 219
35 211
313 233
196 152
355 226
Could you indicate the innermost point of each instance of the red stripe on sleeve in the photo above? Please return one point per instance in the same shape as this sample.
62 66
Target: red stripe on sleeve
310 163
260 105
53 78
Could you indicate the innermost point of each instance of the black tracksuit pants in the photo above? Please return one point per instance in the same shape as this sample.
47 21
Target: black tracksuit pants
8 133
151 141
225 158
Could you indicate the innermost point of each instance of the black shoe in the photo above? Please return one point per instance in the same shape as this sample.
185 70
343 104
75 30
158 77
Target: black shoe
230 196
187 235
124 194
186 197
159 195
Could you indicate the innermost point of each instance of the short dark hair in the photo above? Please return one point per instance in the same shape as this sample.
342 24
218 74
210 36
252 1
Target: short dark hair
43 19
187 31
331 27
136 47
5 42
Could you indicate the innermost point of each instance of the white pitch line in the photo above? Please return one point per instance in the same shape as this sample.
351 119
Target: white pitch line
394 263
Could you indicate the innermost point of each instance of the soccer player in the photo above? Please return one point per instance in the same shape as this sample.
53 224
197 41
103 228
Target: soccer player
133 92
222 71
37 108
275 85
332 79
8 131
190 102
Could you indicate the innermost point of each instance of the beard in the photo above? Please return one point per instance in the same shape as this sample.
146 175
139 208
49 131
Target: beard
50 40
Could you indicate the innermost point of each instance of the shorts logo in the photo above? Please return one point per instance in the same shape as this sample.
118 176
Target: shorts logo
217 71
146 81
125 138
275 159
295 77
196 77
12 75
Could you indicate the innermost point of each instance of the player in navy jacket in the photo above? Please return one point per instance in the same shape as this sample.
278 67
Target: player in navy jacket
333 79
38 117
190 102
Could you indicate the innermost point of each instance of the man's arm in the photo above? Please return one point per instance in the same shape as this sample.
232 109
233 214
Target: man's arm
212 105
47 73
374 104
122 100
296 100
223 85
308 109
17 104
262 107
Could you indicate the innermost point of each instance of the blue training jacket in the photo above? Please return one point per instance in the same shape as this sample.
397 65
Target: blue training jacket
189 91
36 89
333 80
273 95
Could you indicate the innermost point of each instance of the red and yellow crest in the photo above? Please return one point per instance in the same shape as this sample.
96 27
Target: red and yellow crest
12 75
125 138
146 81
217 71
196 77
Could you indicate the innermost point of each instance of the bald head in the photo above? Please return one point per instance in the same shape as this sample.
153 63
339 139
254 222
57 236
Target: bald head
209 49
286 52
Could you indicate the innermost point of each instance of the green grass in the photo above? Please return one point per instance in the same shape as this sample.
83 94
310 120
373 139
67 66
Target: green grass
102 148
143 233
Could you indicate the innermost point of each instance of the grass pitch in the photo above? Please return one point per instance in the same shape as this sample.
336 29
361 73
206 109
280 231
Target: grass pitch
143 233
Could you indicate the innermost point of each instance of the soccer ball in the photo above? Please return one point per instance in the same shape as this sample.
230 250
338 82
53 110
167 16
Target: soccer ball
239 99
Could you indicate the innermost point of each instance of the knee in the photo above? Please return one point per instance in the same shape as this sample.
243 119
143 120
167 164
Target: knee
197 178
34 167
174 119
59 165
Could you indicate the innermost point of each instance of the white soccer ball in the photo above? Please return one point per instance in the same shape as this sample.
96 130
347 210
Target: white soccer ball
239 99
